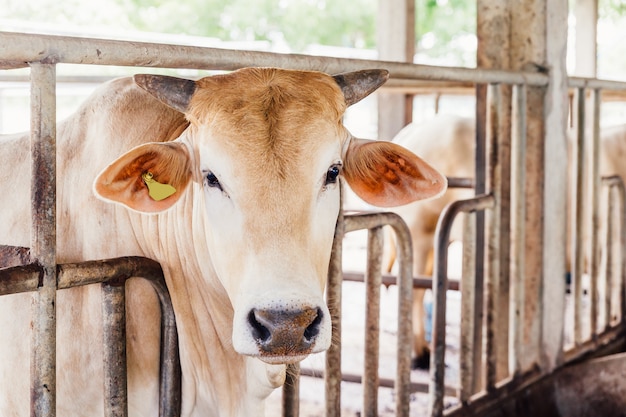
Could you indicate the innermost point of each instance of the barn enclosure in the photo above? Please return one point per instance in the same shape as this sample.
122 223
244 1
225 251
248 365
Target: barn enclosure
526 338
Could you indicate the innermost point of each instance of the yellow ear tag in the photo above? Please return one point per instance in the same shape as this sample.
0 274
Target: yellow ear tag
156 190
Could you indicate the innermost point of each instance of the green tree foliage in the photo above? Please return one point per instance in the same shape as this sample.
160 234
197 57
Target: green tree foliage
446 29
298 22
295 23
611 9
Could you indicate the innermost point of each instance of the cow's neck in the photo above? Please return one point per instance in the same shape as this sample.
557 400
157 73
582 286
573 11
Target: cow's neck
204 314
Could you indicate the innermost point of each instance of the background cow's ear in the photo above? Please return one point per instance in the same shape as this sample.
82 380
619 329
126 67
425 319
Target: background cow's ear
131 179
359 84
172 91
386 174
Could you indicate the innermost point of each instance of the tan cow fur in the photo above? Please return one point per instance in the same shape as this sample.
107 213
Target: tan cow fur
261 241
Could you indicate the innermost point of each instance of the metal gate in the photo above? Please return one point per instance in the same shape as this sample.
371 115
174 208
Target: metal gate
499 184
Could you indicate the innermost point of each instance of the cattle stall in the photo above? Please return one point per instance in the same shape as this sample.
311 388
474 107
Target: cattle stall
511 366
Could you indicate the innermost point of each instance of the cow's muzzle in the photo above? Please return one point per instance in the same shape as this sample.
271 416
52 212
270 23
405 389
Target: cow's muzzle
285 334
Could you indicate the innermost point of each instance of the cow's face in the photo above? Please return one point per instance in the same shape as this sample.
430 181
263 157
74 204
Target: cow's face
264 154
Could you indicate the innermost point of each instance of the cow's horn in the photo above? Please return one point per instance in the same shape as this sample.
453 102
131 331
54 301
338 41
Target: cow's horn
173 91
359 84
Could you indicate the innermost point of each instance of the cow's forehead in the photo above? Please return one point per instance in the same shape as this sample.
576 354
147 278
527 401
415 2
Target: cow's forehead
269 117
265 96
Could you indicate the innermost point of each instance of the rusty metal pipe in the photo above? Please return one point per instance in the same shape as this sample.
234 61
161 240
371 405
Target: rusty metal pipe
493 222
459 182
43 238
470 349
20 279
421 281
333 299
291 391
621 192
372 321
616 184
170 386
114 338
578 253
116 272
112 271
593 196
382 382
519 358
594 83
608 245
19 48
405 297
440 274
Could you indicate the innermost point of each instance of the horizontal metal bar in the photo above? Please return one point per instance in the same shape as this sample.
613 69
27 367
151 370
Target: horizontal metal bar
369 220
112 271
388 279
421 387
20 279
459 182
593 83
22 48
612 181
611 338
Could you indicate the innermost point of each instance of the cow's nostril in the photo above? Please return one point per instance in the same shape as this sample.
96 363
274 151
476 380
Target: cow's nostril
314 328
259 331
285 332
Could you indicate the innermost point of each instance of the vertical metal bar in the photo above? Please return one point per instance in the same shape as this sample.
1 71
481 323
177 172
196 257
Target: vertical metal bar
405 321
497 278
170 385
546 177
373 281
471 321
577 230
480 167
480 186
333 296
115 382
291 391
43 238
518 359
593 197
440 285
501 189
608 236
621 192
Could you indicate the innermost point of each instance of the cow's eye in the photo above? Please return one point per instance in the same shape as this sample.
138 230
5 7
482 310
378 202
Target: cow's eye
333 174
212 181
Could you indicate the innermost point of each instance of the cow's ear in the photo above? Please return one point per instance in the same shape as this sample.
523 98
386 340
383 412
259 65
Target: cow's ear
149 178
172 91
357 85
385 174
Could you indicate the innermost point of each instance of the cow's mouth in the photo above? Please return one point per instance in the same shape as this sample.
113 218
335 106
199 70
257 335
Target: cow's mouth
282 359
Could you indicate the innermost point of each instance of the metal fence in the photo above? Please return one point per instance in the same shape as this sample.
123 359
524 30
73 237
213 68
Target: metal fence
498 182
483 347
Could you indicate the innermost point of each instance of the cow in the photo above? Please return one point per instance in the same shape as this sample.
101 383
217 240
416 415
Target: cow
447 142
230 182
